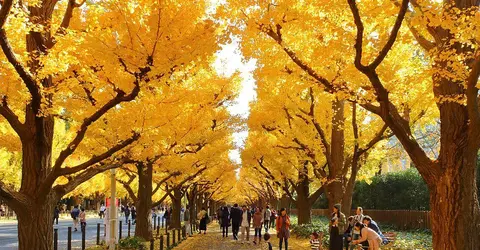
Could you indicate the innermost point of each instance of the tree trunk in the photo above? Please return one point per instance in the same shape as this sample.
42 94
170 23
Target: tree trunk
35 226
285 202
454 205
177 206
143 227
335 188
303 193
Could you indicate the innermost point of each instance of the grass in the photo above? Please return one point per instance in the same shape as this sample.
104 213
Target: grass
411 239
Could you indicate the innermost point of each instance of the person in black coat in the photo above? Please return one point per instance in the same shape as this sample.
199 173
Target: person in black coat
236 216
225 220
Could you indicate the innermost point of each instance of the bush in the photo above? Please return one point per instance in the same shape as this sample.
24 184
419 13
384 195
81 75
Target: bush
319 225
132 243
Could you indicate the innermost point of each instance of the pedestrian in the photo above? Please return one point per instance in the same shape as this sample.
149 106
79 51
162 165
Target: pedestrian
245 225
74 214
126 212
283 228
203 217
357 218
166 216
83 220
219 217
368 237
266 217
133 211
314 241
186 220
337 228
267 245
273 218
56 215
225 220
236 216
101 212
257 224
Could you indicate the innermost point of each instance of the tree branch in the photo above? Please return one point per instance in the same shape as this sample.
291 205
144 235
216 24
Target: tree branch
14 199
314 197
84 176
393 35
62 30
12 119
126 185
98 158
72 146
27 78
387 111
6 6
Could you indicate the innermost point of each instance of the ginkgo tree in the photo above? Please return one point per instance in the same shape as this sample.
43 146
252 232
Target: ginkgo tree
365 37
193 120
84 62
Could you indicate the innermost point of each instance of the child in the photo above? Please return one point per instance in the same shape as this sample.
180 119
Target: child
267 245
314 242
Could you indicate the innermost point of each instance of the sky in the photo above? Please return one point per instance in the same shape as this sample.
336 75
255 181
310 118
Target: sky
230 60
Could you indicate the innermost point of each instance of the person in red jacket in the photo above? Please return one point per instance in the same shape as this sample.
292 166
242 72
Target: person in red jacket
283 228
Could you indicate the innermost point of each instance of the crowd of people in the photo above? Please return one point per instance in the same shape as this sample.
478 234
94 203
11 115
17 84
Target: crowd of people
357 230
242 219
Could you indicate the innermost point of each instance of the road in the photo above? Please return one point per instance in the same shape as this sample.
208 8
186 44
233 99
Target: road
9 240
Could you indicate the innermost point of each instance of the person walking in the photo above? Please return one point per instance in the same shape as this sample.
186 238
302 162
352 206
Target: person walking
337 228
186 219
236 216
273 218
101 212
133 211
56 215
283 228
245 226
203 217
83 220
266 217
220 216
74 214
225 220
257 224
126 212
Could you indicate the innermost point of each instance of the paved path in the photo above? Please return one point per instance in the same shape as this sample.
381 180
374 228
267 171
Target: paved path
213 241
9 240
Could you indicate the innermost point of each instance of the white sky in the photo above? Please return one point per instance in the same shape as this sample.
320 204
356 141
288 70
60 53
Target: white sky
229 60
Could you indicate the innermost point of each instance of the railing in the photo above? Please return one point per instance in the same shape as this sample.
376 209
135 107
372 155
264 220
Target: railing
403 219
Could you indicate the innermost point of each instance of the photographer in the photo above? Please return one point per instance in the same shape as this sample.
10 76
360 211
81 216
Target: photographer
337 228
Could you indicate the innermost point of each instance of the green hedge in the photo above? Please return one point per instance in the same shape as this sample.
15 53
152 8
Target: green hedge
403 190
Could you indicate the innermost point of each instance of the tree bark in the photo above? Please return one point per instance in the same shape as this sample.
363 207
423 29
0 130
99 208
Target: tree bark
335 188
35 225
177 206
143 227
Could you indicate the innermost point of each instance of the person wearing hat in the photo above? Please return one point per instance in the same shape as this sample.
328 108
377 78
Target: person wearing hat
337 227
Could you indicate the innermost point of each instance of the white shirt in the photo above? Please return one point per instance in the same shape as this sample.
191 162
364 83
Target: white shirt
245 219
102 208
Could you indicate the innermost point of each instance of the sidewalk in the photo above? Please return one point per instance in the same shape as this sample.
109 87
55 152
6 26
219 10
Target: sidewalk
213 241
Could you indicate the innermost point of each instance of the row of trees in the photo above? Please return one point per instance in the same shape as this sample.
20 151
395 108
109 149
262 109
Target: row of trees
337 78
93 85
